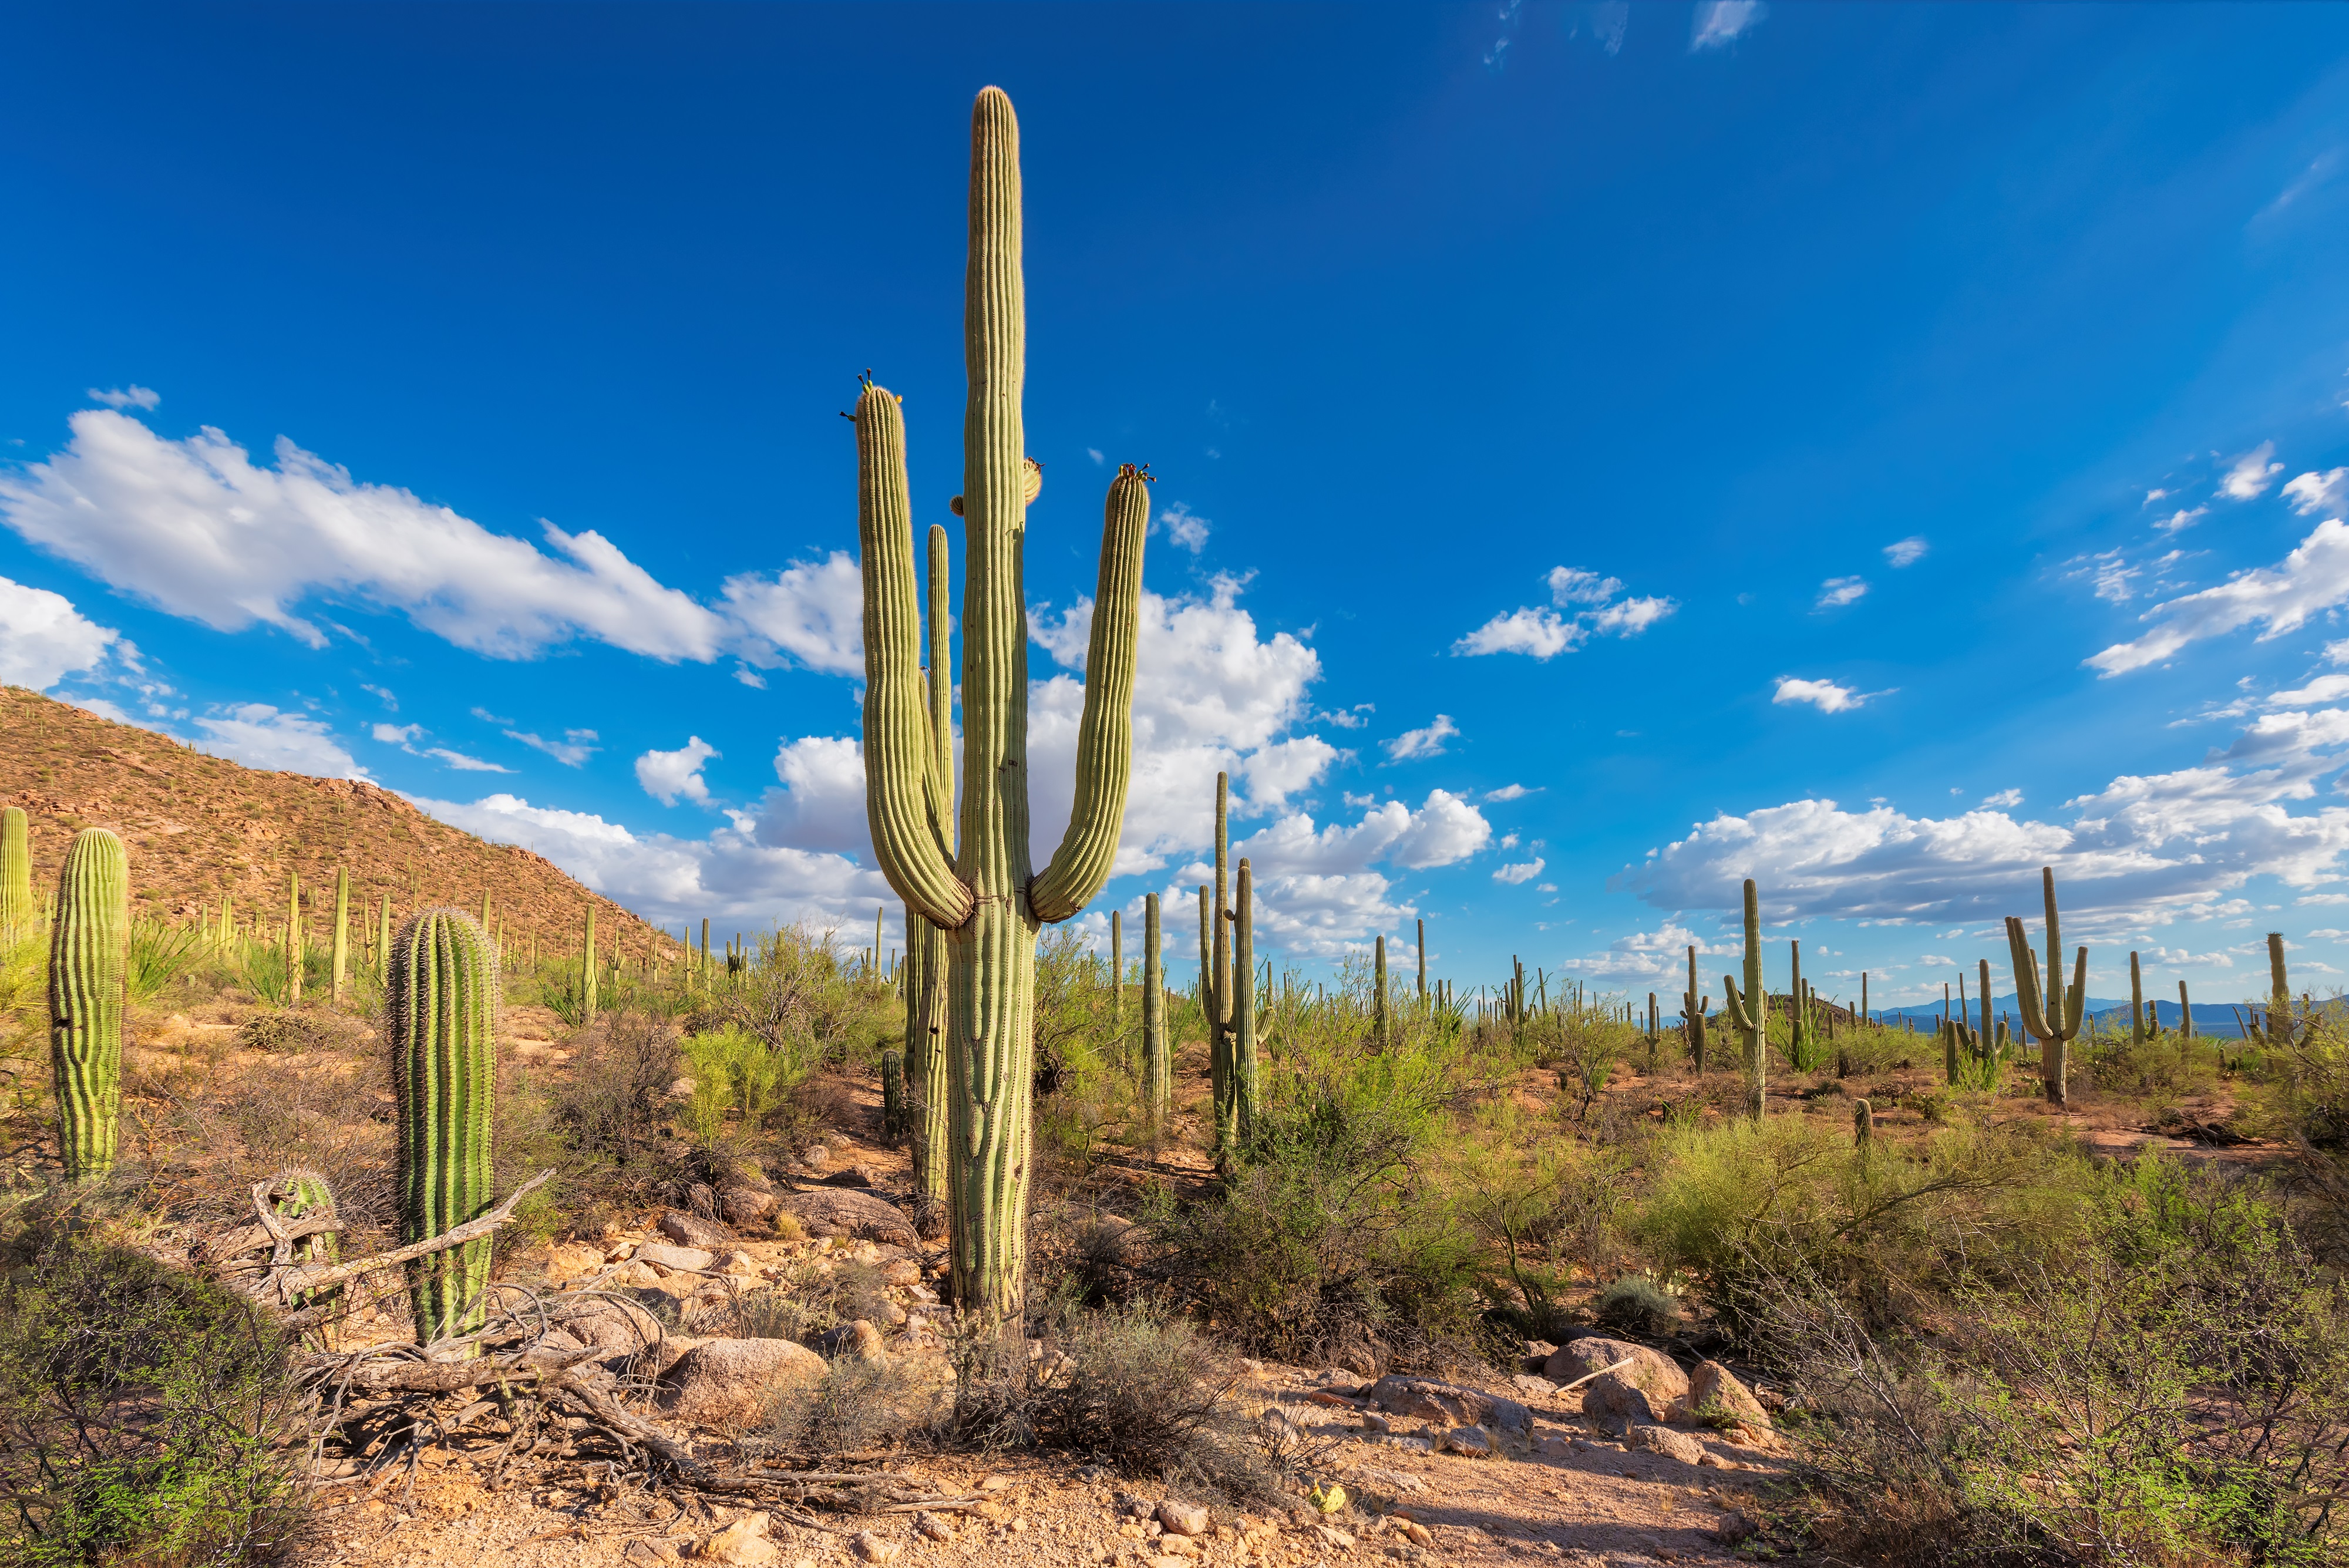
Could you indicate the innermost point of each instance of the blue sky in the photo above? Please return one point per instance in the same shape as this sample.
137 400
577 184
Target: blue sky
1605 451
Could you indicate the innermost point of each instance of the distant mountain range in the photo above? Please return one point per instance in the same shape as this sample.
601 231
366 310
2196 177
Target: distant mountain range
2215 1018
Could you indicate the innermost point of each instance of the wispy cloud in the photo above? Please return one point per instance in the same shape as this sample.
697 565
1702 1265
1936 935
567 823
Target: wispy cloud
2185 517
2312 493
2252 473
1509 792
1827 696
1524 871
1587 608
1721 23
1426 742
1906 552
2313 578
1837 592
1185 527
2003 799
570 751
131 397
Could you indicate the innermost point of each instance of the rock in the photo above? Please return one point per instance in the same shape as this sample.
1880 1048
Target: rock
692 1231
843 1212
744 1541
1714 1389
1665 1442
646 1553
747 1208
1734 1526
871 1548
1181 1548
1532 1386
691 1259
737 1262
1330 1535
1358 1358
1454 1402
1556 1446
1333 1401
1389 1481
1473 1442
610 1323
572 1260
859 1339
1183 1518
726 1382
1644 1391
904 1273
1415 1533
1167 1560
1714 1461
932 1527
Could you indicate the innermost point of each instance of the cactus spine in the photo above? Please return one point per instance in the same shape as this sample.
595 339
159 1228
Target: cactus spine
1155 1071
341 932
1749 1014
442 1023
17 917
2055 1022
983 893
89 957
1244 1079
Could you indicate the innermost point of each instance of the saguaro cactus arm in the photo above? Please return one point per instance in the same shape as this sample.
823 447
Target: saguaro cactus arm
900 758
1105 733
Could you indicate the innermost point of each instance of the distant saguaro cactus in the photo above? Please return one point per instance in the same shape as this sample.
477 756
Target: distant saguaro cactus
1749 1014
896 1117
342 933
1155 1070
1244 1079
587 970
1215 975
292 938
89 957
442 1023
1692 1017
2052 1019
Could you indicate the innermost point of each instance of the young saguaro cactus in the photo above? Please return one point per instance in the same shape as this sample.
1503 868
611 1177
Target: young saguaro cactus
89 957
1215 974
442 1023
17 917
1692 1016
292 938
984 893
1156 1071
342 933
897 1115
1242 975
2055 1019
1749 1014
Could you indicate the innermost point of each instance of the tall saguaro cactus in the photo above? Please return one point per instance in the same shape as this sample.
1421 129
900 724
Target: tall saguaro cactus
1423 961
1692 1017
293 938
2136 1002
442 1023
1215 974
16 913
587 971
1156 1069
2054 1018
983 893
89 959
1749 1014
925 944
1379 992
341 932
1242 975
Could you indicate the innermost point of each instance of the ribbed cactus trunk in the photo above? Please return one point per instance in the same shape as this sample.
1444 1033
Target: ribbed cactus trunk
2056 1020
1117 979
1986 1044
89 957
442 1023
2185 1013
926 1012
1692 1017
1749 1014
1215 976
292 938
981 891
2136 1002
897 1113
18 917
587 971
2279 1021
1156 1069
1379 992
342 934
1422 960
1244 1066
1798 1012
383 943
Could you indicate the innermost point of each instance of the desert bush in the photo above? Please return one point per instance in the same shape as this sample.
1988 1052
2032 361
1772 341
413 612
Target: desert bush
1546 1205
2168 1390
1741 1203
1635 1306
138 1410
738 1078
811 1297
856 1407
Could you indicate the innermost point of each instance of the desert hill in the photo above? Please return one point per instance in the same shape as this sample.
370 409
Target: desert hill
199 826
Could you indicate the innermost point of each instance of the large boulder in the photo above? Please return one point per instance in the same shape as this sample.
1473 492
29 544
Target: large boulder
1453 1403
849 1211
1645 1391
1713 1391
693 1230
727 1381
1665 1442
611 1322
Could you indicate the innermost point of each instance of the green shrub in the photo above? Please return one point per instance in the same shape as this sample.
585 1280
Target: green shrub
138 1410
737 1077
1636 1306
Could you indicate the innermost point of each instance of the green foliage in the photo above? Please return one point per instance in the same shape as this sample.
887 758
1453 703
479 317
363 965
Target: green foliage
1636 1306
138 1410
738 1079
160 952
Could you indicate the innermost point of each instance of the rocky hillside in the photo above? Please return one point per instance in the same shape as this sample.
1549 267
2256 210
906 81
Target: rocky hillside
200 827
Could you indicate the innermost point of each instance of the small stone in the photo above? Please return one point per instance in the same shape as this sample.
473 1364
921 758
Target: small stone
904 1273
931 1527
1330 1535
1178 1546
1183 1518
871 1548
1713 1391
646 1553
1734 1526
1554 1446
1537 1387
1417 1532
690 1260
1475 1442
996 1483
742 1541
1334 1401
1166 1560
692 1231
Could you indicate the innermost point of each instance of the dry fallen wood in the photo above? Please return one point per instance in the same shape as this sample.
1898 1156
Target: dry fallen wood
1594 1376
289 1281
448 1376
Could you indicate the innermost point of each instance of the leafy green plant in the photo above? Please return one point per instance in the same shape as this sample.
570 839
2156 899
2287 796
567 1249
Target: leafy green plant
736 1076
160 952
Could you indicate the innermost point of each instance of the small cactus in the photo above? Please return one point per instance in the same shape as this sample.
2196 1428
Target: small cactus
442 1023
587 971
292 938
2136 1002
1422 960
89 955
341 932
1379 993
1692 1017
2185 1013
1749 1014
896 1116
1863 1125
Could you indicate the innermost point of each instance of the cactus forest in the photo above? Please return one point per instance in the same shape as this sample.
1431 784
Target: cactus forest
1204 1184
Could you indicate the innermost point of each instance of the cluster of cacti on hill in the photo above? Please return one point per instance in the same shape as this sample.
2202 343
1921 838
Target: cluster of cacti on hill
979 886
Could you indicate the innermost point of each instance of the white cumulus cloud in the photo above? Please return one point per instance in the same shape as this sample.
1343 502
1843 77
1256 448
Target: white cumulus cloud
1586 607
131 397
1523 871
1421 742
1827 696
261 736
821 802
810 611
1184 528
43 638
1717 23
2251 473
2312 493
666 775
